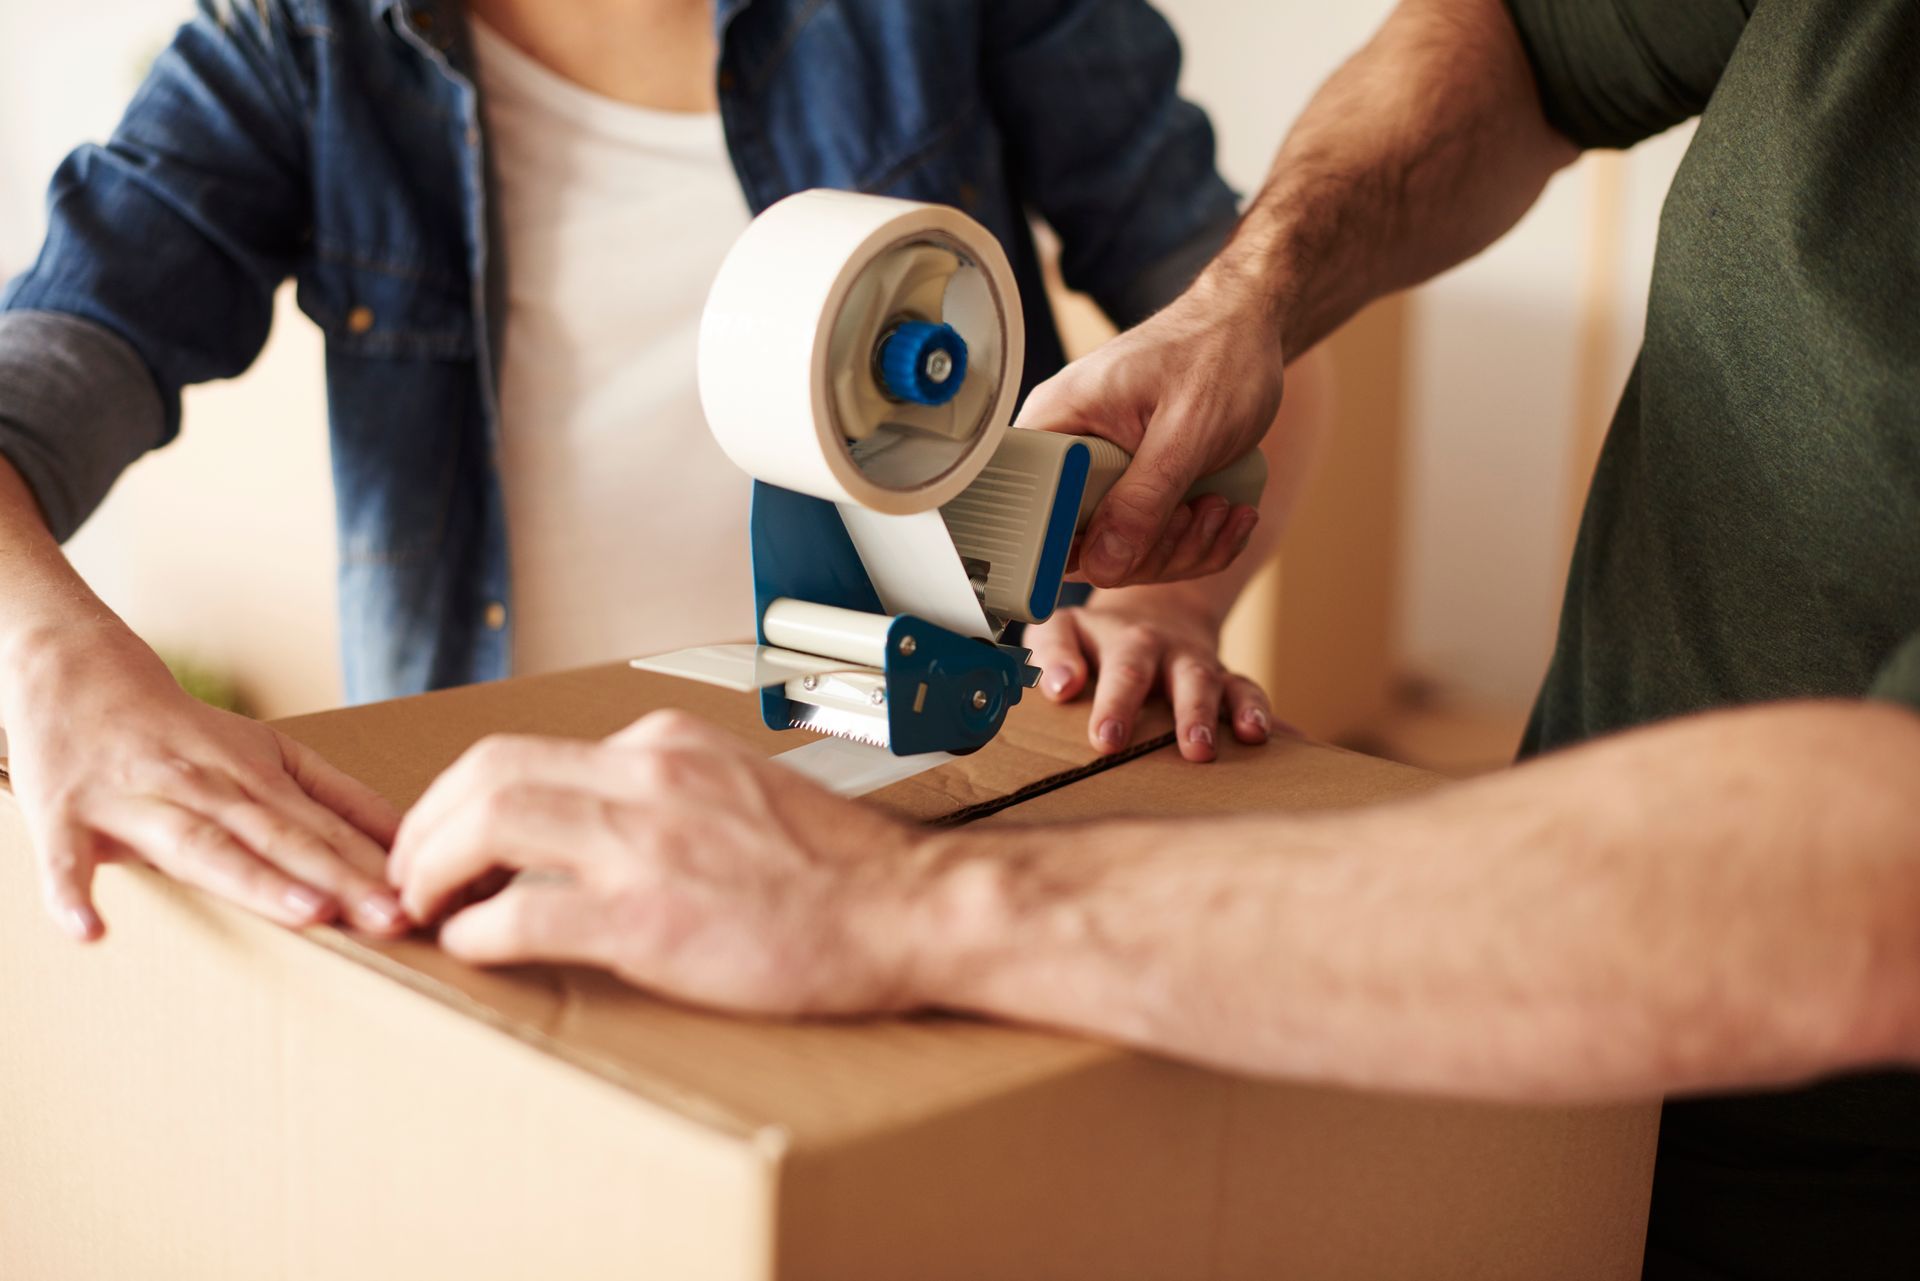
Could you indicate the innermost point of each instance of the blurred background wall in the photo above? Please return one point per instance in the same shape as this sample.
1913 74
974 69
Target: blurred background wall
1414 607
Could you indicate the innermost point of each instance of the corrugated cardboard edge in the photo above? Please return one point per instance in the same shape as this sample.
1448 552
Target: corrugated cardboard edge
772 1141
696 1107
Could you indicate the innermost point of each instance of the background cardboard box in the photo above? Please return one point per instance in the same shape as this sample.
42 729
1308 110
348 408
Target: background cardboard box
207 1097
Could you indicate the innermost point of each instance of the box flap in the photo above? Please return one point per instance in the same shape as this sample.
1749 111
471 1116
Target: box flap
818 1081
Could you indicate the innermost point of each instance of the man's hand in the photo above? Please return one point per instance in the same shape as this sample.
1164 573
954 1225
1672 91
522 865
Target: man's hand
1143 640
1187 392
673 856
111 759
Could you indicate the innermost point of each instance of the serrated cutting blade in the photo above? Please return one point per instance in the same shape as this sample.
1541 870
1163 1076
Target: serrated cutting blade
855 727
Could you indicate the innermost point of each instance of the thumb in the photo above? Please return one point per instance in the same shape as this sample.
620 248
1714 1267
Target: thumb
1055 405
1132 518
1060 655
67 861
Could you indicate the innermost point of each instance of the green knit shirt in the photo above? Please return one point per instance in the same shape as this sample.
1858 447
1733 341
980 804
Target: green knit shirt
1753 531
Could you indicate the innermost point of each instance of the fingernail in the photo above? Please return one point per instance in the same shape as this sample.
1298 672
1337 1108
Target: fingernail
81 922
1255 719
383 910
1110 557
1245 535
1054 683
1201 734
1112 733
304 900
1211 522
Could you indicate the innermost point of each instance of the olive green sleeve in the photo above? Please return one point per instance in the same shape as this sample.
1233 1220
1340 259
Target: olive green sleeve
1614 72
1899 678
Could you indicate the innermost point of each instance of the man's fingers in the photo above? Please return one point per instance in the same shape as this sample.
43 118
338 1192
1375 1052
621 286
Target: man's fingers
1152 566
1060 656
1233 540
1248 710
1134 515
194 848
483 769
67 860
519 825
529 921
340 792
1218 531
1129 661
1195 686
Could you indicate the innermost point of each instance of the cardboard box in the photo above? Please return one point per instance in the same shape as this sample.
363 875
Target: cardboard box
205 1096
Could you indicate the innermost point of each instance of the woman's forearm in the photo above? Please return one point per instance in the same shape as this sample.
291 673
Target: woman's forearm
44 603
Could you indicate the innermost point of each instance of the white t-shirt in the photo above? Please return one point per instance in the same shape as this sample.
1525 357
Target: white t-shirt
626 525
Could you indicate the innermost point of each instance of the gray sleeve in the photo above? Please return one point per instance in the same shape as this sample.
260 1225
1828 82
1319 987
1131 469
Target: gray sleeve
77 407
1168 278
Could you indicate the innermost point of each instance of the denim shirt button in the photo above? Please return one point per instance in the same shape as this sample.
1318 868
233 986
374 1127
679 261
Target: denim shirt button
727 81
359 320
496 616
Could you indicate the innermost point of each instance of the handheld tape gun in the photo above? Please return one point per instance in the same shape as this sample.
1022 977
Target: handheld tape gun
860 357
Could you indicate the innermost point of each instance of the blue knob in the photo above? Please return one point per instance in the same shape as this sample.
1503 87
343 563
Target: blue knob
922 362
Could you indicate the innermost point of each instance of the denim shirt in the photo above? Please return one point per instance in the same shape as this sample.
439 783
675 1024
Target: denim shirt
342 143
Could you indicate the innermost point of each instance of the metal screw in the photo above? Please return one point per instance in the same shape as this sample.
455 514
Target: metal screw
979 700
908 644
810 682
939 366
879 697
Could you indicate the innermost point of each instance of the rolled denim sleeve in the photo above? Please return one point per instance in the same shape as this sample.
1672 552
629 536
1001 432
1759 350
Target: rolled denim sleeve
165 244
1106 150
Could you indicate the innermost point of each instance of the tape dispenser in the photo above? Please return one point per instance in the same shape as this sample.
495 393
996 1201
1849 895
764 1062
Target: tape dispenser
860 357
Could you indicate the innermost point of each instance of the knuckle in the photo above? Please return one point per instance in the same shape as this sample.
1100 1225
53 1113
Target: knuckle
201 840
1140 638
671 722
64 804
176 775
493 750
1200 670
663 769
503 803
1129 673
259 773
60 860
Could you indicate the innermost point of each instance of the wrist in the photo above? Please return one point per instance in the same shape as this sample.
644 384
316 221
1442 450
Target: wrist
1193 602
1248 283
50 656
954 910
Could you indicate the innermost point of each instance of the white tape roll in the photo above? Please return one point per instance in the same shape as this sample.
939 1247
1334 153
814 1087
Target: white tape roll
788 339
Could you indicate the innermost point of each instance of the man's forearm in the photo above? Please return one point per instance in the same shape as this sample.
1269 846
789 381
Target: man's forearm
1417 154
1729 900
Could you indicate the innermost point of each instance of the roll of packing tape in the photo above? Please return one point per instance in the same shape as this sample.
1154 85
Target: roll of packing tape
790 361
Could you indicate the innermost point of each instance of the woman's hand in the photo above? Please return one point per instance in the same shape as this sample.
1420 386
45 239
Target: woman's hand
1138 640
111 759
